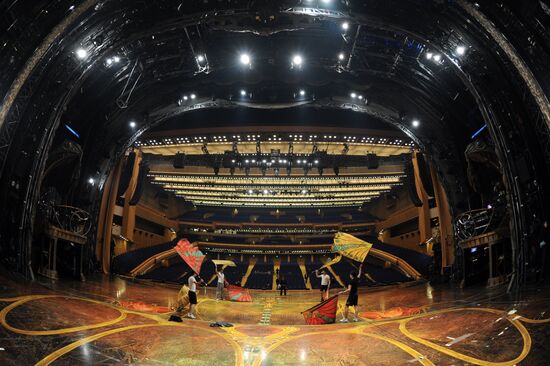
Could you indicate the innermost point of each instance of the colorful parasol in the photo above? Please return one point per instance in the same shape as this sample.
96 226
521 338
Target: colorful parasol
220 262
323 313
351 247
333 261
190 254
183 298
238 293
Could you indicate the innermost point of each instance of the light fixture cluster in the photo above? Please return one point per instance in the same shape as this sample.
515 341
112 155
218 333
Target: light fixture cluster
368 140
252 137
154 143
219 138
396 142
186 98
168 142
182 140
200 139
274 138
350 138
299 137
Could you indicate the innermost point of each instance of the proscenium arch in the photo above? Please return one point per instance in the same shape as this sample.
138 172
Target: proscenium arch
492 118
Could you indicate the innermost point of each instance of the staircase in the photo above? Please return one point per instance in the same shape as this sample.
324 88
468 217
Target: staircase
251 264
276 266
303 269
336 276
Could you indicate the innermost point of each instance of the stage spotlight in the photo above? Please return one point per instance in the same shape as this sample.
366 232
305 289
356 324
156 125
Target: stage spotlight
429 55
116 59
109 61
81 53
437 58
304 191
193 96
297 60
200 58
250 191
91 181
316 161
341 56
185 97
415 123
243 92
302 92
353 95
345 26
460 50
266 191
132 124
245 59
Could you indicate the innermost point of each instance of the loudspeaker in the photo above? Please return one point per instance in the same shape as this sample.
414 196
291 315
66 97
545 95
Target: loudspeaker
179 161
411 185
372 161
126 174
425 176
143 171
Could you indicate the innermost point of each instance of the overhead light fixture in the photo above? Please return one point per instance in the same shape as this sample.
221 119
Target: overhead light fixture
116 59
429 55
81 53
345 26
245 59
91 181
193 96
185 97
460 50
302 92
437 58
132 124
341 56
243 92
297 60
200 58
360 97
353 95
415 123
109 61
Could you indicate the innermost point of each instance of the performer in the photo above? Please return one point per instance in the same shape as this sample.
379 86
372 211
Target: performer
353 296
282 284
325 284
221 282
192 282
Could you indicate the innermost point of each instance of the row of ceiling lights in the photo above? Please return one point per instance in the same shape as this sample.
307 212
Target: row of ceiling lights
275 138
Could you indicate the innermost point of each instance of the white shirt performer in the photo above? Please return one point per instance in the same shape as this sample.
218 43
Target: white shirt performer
325 284
221 283
192 282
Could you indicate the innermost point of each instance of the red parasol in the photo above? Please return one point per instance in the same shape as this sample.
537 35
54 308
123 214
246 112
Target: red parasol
323 313
238 293
190 254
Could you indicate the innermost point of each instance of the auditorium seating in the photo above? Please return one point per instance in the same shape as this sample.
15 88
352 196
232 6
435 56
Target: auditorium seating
234 275
261 276
293 275
124 263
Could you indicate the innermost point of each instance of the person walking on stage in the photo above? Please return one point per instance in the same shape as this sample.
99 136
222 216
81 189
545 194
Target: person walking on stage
192 283
325 284
353 297
221 283
282 286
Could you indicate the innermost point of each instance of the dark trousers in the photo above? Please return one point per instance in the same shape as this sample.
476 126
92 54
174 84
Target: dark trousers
283 288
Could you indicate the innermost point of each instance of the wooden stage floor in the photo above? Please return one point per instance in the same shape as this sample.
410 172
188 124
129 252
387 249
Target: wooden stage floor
72 323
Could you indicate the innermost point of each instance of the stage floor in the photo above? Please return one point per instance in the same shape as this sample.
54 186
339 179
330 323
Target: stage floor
71 323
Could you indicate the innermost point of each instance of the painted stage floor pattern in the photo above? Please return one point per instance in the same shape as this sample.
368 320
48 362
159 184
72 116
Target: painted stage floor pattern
76 323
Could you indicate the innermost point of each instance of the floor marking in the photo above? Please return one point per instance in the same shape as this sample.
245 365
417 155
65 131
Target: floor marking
459 339
266 314
277 339
17 303
68 348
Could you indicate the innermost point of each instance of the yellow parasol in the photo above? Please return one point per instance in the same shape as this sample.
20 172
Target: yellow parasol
330 263
224 263
351 247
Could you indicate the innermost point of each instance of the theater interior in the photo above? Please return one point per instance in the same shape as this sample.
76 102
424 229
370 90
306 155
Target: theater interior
257 134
